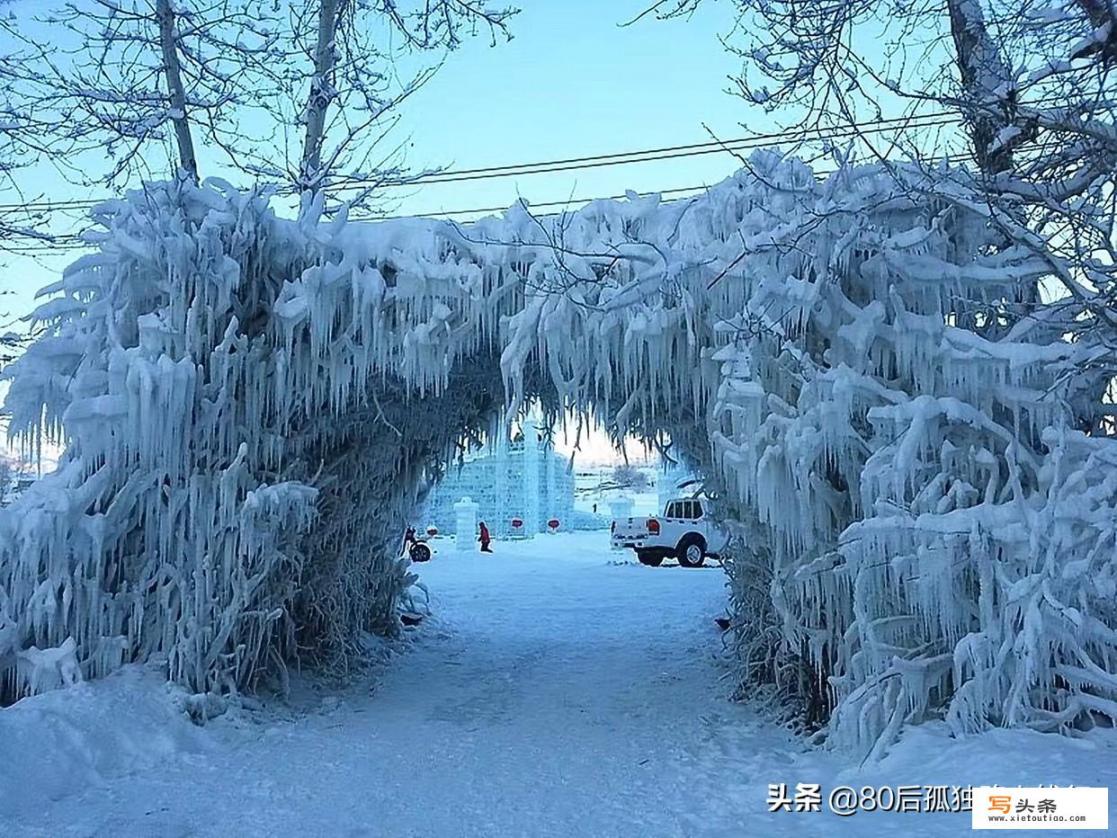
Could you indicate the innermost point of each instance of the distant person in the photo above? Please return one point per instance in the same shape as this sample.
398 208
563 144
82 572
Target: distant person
595 509
485 538
409 539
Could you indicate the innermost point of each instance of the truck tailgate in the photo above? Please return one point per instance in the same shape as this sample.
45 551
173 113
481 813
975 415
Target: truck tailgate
630 529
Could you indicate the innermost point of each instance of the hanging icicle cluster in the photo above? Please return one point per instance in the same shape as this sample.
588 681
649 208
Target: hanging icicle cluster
895 423
249 406
234 483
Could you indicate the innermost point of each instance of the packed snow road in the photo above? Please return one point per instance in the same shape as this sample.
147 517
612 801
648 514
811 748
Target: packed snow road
560 689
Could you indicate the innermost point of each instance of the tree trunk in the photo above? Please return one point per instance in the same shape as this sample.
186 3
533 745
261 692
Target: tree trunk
1101 13
176 93
988 106
322 92
985 85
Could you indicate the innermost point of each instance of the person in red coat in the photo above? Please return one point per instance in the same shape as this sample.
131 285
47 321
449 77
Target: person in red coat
485 538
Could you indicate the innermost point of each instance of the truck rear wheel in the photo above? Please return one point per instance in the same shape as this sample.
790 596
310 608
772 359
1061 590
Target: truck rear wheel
652 558
691 552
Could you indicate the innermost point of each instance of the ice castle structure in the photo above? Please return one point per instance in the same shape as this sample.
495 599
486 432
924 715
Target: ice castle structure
522 480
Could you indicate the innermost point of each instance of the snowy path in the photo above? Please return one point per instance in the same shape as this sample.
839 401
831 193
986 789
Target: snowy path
556 693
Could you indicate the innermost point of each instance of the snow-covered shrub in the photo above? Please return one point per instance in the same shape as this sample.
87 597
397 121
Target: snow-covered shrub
158 533
205 432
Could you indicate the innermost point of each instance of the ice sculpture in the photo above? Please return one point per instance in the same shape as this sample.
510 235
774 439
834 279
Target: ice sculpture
465 526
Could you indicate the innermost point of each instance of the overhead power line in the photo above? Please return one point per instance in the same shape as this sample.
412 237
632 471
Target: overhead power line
737 144
674 152
677 192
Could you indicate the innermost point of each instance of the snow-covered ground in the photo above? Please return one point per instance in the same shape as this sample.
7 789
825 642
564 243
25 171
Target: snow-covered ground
560 689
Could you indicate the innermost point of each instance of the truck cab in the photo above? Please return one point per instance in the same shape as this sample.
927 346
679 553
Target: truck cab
685 531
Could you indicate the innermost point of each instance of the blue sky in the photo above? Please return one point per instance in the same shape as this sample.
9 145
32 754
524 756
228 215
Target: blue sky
574 82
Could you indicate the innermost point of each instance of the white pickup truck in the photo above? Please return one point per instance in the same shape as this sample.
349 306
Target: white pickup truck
684 530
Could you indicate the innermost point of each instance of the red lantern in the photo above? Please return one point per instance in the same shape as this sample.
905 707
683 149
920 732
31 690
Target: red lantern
517 523
553 523
432 531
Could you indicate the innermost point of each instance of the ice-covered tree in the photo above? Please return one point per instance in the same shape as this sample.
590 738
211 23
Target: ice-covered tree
922 529
297 94
1032 84
213 576
629 476
925 449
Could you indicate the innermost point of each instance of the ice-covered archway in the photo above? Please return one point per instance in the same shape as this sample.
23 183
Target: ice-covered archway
248 403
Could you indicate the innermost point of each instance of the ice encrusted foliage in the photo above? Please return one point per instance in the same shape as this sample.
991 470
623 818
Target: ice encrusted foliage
895 420
250 406
204 435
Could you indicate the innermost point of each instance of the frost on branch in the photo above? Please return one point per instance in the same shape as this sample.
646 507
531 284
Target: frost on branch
251 407
935 534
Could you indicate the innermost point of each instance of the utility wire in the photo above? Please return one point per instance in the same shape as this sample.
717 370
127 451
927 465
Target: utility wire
929 120
670 153
679 192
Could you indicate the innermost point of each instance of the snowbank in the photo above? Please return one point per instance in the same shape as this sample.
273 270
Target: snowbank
933 756
64 741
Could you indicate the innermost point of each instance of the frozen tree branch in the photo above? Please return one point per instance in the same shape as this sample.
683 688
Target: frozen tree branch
168 45
1034 86
220 85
